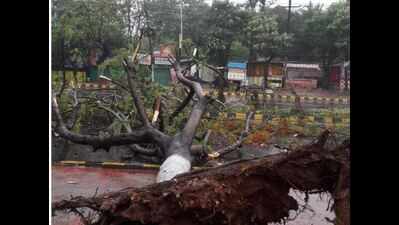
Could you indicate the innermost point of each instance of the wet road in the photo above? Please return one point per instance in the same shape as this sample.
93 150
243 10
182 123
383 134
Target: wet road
67 181
315 211
83 181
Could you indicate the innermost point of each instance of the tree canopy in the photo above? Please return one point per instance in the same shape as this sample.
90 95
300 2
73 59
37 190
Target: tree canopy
222 30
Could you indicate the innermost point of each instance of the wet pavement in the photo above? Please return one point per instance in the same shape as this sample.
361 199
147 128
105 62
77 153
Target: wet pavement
315 212
67 181
83 181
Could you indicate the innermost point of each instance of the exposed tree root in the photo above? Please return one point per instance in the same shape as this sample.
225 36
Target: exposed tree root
253 191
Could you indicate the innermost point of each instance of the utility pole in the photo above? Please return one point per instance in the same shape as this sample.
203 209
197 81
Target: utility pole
290 6
286 56
288 31
181 28
289 17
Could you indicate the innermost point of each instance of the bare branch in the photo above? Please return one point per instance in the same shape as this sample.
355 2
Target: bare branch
220 74
161 115
207 135
157 107
141 150
115 82
133 88
135 147
191 84
237 144
181 106
84 220
123 119
322 139
202 148
74 116
136 99
199 108
77 202
194 119
141 135
63 85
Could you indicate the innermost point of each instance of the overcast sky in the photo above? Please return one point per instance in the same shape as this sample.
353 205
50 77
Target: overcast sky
326 3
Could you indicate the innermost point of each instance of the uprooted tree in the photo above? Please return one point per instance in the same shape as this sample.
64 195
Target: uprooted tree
177 151
252 191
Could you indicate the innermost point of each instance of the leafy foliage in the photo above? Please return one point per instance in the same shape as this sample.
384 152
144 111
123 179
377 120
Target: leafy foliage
266 38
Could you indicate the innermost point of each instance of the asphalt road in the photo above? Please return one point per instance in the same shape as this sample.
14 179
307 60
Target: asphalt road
83 181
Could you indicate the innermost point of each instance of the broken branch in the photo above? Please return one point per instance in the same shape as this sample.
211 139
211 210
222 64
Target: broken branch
237 144
141 135
136 99
181 106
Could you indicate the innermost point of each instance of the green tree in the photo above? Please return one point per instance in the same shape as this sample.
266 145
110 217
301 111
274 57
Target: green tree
327 35
225 23
84 33
163 18
239 51
266 38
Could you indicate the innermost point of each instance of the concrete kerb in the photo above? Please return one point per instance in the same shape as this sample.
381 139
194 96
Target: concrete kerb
115 165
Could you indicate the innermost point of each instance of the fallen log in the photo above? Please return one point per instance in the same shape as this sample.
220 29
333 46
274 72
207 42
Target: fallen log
252 191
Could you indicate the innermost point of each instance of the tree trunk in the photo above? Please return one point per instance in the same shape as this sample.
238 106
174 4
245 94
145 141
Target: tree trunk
177 162
91 63
267 71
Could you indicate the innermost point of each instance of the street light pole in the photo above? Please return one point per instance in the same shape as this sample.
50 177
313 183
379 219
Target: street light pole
181 28
289 17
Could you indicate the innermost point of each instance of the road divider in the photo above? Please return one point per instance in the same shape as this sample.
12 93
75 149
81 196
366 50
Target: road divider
286 98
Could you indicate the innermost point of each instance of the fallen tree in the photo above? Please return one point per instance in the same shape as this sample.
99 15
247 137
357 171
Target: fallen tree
253 191
174 151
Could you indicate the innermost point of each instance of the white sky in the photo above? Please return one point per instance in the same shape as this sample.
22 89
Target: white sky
325 3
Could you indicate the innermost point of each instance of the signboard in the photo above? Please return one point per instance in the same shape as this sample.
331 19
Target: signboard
275 81
302 83
274 85
161 61
279 78
236 74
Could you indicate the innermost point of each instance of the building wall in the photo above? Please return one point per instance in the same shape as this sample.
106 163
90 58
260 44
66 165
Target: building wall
276 69
302 83
162 74
300 73
334 78
256 69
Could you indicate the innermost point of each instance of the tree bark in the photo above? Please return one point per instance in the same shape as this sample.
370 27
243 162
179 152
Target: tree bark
267 71
178 155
